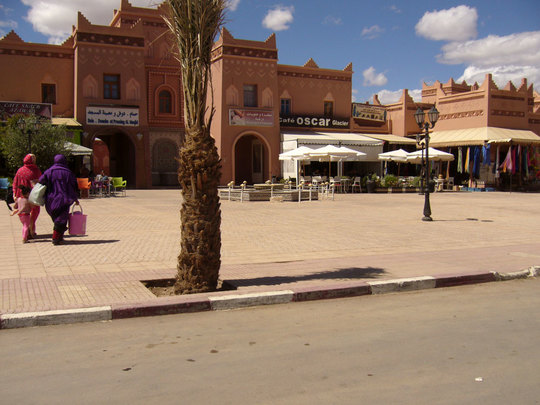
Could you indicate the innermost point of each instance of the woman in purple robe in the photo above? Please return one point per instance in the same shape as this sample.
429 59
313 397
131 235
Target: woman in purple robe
60 194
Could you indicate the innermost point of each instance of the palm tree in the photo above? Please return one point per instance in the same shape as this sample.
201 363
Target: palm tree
195 24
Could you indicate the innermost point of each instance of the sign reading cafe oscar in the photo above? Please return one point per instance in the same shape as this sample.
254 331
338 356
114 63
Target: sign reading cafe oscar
123 116
306 121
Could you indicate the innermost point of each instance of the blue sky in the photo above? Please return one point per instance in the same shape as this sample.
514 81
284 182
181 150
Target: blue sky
393 44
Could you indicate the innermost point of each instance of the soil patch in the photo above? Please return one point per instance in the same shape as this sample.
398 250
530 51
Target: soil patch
165 287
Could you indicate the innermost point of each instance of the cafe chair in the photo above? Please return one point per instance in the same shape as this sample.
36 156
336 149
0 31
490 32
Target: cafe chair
119 185
84 187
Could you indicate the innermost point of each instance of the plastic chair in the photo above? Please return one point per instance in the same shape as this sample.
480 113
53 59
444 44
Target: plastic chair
357 182
119 184
84 187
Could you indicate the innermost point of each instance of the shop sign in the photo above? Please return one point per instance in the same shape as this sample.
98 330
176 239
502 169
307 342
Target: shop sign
239 116
121 116
368 112
312 122
11 108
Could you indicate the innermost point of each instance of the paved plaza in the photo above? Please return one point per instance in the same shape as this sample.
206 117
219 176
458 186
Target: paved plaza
267 246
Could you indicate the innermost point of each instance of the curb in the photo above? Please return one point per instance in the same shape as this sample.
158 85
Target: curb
194 303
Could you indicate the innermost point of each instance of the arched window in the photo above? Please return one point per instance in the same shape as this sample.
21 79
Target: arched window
165 101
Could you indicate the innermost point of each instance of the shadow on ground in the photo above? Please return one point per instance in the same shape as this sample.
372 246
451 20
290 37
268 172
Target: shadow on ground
350 273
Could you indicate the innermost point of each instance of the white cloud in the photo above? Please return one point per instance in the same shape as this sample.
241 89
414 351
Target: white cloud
279 18
232 4
332 20
395 9
54 18
502 74
372 32
9 25
390 97
372 78
454 24
354 94
516 49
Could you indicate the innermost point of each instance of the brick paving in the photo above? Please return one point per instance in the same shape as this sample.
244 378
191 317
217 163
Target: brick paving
267 246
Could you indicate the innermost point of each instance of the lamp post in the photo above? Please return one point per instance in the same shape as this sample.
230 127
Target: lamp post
433 116
28 126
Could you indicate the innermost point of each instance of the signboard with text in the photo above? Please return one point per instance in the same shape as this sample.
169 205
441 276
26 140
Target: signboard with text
122 116
11 108
239 116
306 121
368 112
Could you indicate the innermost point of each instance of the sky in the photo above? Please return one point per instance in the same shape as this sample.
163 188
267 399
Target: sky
392 44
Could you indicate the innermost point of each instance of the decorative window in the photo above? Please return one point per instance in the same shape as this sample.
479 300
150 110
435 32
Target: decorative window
285 106
329 109
250 95
165 102
111 86
48 93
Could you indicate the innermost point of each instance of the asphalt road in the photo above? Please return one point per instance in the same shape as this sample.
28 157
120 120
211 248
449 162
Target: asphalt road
475 344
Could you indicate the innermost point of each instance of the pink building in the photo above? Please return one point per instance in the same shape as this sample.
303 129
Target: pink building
120 85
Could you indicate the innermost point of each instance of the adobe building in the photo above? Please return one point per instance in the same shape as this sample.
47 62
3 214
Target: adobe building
119 87
119 82
478 116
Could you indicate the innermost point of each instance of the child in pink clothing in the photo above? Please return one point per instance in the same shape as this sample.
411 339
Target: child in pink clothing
23 208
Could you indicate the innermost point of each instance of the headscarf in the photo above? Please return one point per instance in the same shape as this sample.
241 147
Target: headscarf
26 174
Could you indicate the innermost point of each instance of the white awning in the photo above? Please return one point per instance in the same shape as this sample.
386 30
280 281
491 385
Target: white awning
359 142
393 139
477 136
78 150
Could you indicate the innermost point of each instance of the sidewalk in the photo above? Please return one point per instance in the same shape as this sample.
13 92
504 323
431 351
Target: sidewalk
276 252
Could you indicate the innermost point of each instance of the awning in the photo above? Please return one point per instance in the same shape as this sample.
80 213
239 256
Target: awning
68 122
362 143
78 150
393 139
477 136
330 138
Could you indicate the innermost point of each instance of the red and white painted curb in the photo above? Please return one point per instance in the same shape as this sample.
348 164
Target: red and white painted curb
194 303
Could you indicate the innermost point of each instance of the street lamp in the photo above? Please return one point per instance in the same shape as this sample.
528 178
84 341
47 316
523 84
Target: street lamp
433 116
28 126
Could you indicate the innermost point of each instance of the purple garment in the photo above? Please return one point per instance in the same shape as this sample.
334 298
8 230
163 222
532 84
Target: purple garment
61 189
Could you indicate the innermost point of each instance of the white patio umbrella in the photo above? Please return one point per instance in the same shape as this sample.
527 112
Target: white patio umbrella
332 153
298 154
399 156
435 155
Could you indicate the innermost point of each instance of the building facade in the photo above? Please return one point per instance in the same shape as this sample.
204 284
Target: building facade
121 83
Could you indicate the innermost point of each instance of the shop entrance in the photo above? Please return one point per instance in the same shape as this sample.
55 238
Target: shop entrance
251 160
121 156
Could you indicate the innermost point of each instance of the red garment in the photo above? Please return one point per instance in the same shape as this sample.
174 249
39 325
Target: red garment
28 172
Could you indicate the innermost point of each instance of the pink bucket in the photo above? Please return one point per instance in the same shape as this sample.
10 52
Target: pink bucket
77 222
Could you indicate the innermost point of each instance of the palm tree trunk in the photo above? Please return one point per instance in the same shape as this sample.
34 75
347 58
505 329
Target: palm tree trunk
200 255
195 23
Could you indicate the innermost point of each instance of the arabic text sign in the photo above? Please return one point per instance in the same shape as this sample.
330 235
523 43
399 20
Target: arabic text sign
112 116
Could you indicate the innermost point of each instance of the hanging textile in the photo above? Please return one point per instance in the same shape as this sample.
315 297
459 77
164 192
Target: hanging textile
476 161
496 167
466 168
513 159
486 154
460 160
526 161
507 162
